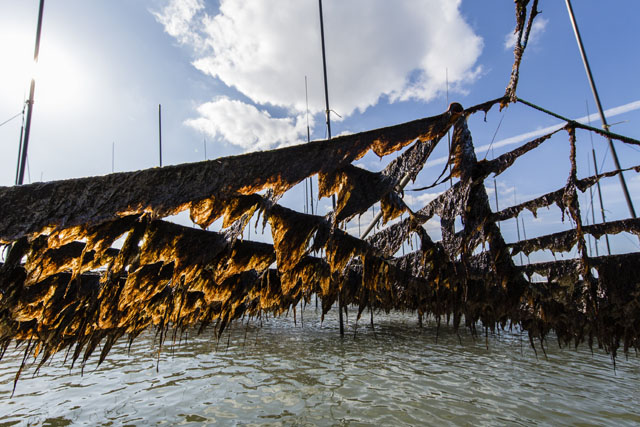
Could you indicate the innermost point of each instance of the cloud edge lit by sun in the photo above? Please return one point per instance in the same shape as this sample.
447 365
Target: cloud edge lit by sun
411 60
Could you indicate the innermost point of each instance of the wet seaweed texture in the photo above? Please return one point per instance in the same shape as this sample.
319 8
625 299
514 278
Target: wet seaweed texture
90 261
522 32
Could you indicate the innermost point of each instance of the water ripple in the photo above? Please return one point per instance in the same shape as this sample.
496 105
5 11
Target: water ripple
281 374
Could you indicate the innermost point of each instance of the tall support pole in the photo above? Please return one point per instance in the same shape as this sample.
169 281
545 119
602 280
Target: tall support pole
306 97
524 233
595 170
448 131
604 219
605 126
495 193
593 210
515 203
160 132
20 145
327 114
324 69
27 131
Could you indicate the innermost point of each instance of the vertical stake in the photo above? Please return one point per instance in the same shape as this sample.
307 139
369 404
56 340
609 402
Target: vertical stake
324 69
603 119
306 197
593 209
593 217
160 132
27 131
595 170
310 180
495 192
20 144
524 234
327 111
595 166
449 130
515 201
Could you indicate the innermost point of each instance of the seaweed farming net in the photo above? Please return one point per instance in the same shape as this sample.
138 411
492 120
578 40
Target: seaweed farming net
64 286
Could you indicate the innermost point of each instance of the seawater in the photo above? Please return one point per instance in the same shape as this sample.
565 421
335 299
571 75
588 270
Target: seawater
275 372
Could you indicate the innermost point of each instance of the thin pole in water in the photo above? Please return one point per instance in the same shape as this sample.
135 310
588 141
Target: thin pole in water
593 209
515 201
593 213
310 200
160 132
326 86
495 185
605 126
327 112
604 219
25 142
595 170
448 131
524 233
495 192
20 144
306 197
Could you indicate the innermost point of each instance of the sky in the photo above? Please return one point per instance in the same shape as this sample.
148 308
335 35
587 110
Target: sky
230 76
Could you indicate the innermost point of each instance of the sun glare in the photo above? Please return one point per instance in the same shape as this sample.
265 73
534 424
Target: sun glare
61 82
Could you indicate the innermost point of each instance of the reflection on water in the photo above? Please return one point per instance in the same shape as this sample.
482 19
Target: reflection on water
282 374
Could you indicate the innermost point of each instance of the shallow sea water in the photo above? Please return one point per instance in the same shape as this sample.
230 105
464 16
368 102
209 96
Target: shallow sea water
286 374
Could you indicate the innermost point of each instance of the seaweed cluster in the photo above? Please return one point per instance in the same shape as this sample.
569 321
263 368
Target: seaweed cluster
65 286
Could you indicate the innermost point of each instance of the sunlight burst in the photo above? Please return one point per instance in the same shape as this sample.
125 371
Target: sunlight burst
61 79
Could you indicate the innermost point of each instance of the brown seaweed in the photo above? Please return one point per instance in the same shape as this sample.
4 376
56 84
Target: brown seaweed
108 197
522 32
65 285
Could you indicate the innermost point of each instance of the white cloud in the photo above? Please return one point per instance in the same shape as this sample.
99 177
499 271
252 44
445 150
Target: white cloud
178 19
345 133
538 27
244 125
375 48
433 227
419 201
